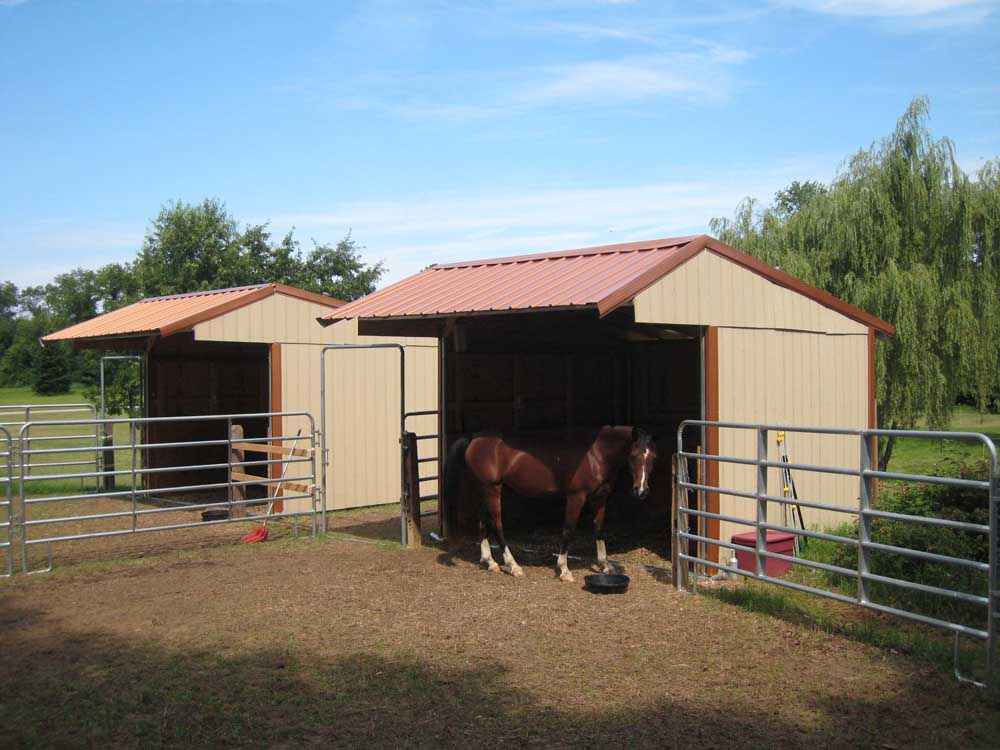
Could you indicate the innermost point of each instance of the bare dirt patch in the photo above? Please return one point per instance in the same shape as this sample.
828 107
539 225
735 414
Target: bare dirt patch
301 643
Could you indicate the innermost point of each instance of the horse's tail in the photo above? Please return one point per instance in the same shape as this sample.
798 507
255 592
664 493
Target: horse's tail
451 489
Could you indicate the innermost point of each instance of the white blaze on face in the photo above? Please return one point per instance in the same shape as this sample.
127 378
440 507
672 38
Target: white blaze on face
643 482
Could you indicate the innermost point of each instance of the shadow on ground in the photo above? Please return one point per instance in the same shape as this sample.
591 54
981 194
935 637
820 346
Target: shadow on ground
88 689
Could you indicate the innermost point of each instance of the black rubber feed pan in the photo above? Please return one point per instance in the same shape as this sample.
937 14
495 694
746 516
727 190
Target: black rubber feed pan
215 514
607 584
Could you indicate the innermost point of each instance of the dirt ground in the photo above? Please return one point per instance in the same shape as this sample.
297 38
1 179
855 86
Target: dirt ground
301 642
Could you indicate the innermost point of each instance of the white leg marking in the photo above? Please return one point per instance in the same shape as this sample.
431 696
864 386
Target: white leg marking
486 556
512 567
602 557
563 569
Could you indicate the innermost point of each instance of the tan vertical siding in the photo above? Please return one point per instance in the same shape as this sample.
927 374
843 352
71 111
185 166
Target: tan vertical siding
795 378
362 393
710 290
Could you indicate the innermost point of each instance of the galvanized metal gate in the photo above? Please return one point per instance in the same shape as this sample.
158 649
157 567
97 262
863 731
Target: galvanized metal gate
7 500
409 507
693 545
44 427
136 492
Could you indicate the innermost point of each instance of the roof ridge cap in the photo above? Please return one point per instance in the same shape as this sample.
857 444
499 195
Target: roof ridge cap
207 292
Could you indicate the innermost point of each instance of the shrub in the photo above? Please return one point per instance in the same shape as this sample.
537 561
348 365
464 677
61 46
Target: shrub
937 501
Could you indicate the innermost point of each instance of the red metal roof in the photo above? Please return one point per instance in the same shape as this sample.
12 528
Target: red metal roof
571 278
604 278
177 312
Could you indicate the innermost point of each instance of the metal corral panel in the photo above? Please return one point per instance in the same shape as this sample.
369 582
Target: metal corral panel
711 290
362 393
794 378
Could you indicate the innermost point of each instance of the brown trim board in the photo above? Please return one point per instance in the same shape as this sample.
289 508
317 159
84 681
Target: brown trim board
276 405
712 434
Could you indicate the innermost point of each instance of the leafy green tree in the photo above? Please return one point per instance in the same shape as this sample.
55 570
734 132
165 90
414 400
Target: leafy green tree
903 233
197 247
339 271
17 361
8 314
52 371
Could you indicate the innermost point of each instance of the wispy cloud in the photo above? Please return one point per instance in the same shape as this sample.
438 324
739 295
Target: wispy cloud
705 72
12 3
919 14
411 233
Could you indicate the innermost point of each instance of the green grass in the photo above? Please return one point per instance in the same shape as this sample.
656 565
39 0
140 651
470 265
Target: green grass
919 456
24 396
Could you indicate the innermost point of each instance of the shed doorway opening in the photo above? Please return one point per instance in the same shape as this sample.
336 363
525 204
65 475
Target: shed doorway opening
195 378
567 370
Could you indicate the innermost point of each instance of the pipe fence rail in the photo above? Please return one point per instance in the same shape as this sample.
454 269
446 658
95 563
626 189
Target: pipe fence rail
7 500
693 544
53 428
154 485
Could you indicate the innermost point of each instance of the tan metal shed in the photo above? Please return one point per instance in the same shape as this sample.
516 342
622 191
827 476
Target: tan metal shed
647 333
257 349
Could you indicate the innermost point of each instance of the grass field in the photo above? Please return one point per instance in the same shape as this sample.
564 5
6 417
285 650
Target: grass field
919 456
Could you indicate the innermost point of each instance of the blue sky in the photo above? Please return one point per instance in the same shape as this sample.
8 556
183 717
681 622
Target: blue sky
456 129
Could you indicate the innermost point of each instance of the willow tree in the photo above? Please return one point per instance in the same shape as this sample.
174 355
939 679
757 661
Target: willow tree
903 233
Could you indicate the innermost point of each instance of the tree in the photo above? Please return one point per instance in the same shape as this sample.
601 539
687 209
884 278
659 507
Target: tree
903 233
53 370
196 247
797 195
339 271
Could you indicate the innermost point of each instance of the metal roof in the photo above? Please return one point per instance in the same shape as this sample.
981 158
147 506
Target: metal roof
603 277
177 312
571 278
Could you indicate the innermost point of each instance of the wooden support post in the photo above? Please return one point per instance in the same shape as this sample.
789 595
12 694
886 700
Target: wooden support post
236 456
108 462
412 507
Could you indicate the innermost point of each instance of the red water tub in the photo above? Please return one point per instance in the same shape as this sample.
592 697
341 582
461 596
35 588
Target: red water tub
779 542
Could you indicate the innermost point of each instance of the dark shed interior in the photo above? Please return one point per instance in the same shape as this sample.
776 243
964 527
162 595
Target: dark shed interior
555 370
191 378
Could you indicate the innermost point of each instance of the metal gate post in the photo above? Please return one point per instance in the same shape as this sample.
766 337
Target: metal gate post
993 594
761 502
864 516
8 498
402 424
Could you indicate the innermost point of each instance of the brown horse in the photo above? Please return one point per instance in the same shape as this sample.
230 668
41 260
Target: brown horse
582 465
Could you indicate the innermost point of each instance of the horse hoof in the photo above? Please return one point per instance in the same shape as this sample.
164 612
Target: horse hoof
566 576
491 567
517 572
608 570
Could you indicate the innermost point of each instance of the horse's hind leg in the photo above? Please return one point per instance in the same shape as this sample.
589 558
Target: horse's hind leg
494 523
485 553
574 504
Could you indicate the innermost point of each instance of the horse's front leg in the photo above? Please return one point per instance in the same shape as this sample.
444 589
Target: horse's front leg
599 503
574 504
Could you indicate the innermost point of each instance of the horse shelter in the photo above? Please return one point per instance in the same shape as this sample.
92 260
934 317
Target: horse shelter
258 350
647 334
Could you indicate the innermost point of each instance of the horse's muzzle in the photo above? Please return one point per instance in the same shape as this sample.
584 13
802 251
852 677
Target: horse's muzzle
641 495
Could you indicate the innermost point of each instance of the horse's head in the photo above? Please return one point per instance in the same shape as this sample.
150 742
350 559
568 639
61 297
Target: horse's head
641 456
